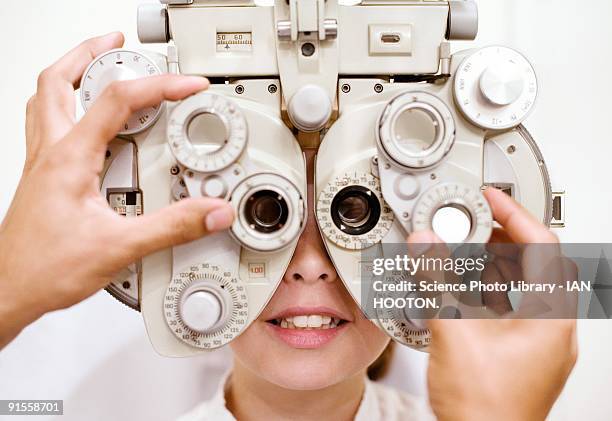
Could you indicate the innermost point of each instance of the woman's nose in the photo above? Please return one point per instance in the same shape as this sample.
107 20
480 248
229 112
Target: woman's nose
310 262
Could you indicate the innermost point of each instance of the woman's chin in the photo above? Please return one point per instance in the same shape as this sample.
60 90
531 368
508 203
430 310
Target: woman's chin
305 374
294 367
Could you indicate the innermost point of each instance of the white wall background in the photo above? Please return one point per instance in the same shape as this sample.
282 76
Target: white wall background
96 357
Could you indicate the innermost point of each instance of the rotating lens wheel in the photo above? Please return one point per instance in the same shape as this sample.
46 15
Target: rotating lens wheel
270 212
416 130
207 132
352 213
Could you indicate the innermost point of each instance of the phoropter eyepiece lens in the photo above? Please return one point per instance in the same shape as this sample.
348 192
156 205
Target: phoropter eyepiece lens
355 210
266 211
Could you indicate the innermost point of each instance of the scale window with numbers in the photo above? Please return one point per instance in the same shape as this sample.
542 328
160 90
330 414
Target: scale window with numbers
234 42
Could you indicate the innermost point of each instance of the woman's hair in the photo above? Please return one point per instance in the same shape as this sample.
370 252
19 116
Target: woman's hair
379 368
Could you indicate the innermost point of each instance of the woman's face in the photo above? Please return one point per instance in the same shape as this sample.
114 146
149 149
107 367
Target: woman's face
278 349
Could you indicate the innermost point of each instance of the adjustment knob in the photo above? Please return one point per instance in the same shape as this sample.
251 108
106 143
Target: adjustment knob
201 311
455 212
502 85
495 88
310 108
205 306
153 24
120 65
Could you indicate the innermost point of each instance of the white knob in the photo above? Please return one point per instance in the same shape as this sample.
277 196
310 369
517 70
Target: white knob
152 24
310 108
214 187
407 187
201 311
502 84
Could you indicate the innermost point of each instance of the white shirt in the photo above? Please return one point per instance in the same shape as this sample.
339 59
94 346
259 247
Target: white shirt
379 403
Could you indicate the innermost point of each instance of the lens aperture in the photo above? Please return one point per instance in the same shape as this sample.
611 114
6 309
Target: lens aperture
355 210
266 211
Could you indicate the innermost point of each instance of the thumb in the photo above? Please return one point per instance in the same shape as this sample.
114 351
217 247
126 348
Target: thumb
183 222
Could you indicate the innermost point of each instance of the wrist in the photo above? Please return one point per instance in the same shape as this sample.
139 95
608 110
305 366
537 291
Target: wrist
484 412
15 313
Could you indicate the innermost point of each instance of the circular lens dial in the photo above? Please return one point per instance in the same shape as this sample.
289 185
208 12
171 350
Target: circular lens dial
120 65
352 213
207 132
206 307
395 324
266 211
270 212
496 88
416 130
469 202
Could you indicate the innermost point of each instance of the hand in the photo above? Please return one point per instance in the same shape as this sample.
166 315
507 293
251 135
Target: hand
510 369
60 242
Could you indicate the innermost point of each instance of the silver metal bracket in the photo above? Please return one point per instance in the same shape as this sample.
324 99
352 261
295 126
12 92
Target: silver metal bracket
558 213
307 17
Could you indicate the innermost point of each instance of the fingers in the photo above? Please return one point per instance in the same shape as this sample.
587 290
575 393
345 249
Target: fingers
120 100
501 245
495 301
180 223
422 242
71 67
520 225
56 85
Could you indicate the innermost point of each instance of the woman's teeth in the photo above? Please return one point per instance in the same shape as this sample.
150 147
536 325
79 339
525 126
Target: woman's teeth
314 321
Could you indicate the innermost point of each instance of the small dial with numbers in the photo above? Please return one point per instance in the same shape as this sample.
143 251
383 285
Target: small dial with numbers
119 65
462 198
205 306
496 88
402 330
352 213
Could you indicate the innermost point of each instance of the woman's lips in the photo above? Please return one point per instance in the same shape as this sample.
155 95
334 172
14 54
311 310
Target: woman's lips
306 338
308 327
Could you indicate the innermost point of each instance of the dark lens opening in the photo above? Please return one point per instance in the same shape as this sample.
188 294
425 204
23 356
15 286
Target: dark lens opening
266 211
355 210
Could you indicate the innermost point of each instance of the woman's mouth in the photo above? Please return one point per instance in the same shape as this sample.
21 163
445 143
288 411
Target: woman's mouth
312 321
307 330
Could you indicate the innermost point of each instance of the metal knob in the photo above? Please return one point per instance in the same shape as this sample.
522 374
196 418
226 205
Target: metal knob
502 84
201 311
310 108
153 24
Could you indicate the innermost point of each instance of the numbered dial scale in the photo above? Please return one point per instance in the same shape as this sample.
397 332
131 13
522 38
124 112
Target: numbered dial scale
458 196
400 329
119 65
206 307
352 213
496 88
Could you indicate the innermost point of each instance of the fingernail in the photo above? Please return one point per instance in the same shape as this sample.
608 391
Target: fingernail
420 242
219 219
202 81
114 34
